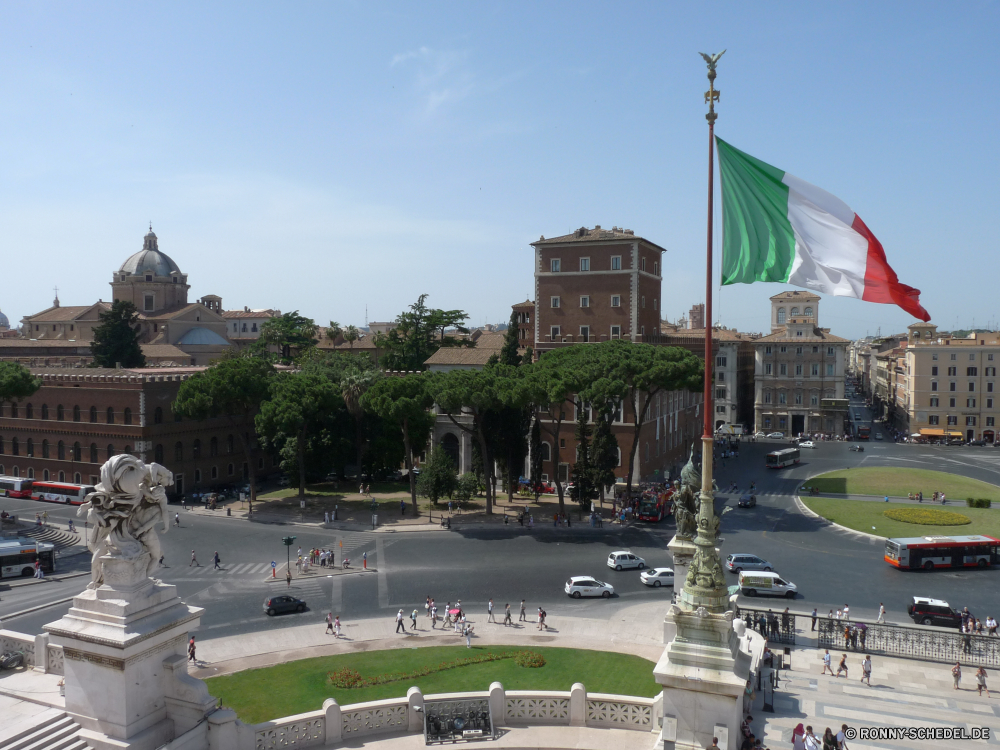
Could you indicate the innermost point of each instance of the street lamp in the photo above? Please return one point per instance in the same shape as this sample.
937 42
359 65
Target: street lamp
288 541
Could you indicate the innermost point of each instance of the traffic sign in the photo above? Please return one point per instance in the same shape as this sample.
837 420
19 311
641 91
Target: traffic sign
274 564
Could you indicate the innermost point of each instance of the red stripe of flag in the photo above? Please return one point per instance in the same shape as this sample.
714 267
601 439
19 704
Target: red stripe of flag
881 283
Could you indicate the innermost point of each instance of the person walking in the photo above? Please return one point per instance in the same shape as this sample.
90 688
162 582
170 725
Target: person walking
329 622
881 613
829 740
847 611
216 559
507 621
288 578
399 622
177 520
364 559
434 614
467 632
866 670
842 737
814 615
336 626
191 651
539 620
491 617
811 741
39 573
413 620
194 560
523 617
842 667
826 664
981 681
427 605
956 674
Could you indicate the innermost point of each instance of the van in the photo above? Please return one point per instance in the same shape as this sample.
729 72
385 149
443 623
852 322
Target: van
766 584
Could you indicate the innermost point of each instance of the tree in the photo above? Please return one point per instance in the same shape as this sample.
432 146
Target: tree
583 469
16 382
292 419
536 456
287 332
633 375
437 476
404 401
511 343
466 488
604 453
508 426
233 389
351 334
333 331
419 333
116 338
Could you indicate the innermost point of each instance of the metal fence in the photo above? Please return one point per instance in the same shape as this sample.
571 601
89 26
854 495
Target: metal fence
777 627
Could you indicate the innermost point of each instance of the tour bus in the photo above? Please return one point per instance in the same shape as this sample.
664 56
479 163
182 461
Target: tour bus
15 486
17 557
655 506
929 552
781 459
61 492
864 433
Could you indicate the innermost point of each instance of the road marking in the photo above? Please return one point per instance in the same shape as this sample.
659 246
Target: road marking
383 579
337 593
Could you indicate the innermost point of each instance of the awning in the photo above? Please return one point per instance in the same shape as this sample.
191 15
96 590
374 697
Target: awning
956 434
932 432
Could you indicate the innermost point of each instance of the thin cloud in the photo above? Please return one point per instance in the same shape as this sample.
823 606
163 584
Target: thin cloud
440 76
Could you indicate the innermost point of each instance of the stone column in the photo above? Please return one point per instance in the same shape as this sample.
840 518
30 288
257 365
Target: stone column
682 551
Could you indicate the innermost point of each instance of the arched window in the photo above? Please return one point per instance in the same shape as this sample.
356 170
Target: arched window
111 415
1 446
197 476
546 452
93 413
2 472
62 476
30 447
111 450
158 453
61 451
196 449
45 449
127 449
230 469
15 448
31 473
128 415
29 411
781 316
13 410
45 411
213 447
77 478
215 472
60 413
16 472
76 413
94 458
229 444
179 451
158 416
795 311
45 474
809 312
77 452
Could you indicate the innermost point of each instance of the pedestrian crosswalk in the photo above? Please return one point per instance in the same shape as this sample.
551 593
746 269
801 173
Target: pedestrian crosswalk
207 570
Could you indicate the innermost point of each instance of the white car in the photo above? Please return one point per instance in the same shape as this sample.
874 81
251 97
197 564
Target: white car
776 435
807 444
657 577
759 435
579 586
625 559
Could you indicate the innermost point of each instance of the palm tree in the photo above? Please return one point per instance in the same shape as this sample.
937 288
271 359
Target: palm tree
351 334
353 385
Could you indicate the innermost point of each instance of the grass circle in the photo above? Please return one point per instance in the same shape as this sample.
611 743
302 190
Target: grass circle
927 516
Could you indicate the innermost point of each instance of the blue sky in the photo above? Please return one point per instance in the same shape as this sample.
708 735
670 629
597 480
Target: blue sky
333 157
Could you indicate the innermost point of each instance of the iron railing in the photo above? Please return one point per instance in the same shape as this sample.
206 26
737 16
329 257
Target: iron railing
914 642
777 627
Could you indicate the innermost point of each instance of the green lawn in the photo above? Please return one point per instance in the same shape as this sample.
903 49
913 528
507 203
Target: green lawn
861 515
264 694
899 482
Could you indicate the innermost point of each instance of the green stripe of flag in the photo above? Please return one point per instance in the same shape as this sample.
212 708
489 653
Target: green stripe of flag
758 242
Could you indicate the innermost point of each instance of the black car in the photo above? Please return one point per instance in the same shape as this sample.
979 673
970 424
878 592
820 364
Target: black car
275 604
926 611
747 500
858 448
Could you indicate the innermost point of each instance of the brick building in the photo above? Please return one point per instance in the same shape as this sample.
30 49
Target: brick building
80 418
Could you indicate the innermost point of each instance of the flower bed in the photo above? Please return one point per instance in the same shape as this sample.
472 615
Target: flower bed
927 516
348 678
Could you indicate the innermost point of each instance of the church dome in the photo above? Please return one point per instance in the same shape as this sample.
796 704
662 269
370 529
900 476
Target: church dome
149 260
4 323
201 337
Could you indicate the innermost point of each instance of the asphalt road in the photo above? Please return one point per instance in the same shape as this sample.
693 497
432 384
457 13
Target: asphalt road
508 563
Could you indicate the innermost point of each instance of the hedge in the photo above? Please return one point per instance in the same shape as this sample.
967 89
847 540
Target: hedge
982 502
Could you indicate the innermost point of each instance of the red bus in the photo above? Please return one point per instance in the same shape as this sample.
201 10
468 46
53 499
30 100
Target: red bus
655 506
61 492
929 552
864 433
15 486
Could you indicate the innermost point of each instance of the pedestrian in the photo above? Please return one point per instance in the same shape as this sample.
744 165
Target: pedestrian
364 559
288 578
797 737
434 614
539 620
161 561
427 605
506 616
336 626
956 674
842 737
467 632
413 620
523 617
826 664
866 670
191 656
829 740
886 498
399 622
544 615
991 625
329 622
813 619
981 681
847 611
491 617
194 560
45 518
216 559
881 613
39 573
177 520
811 741
714 745
430 606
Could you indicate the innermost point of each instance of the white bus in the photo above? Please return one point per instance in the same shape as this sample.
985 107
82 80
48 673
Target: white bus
781 459
61 492
15 486
18 556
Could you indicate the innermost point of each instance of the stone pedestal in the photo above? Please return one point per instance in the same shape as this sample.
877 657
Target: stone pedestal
125 647
682 550
704 673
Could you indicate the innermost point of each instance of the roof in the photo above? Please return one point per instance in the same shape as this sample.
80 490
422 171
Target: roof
796 296
201 337
486 346
72 312
596 235
251 313
818 334
150 259
159 351
719 334
526 303
18 343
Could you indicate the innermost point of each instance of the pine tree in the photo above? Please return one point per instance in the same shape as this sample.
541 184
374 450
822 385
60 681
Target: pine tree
583 469
116 339
536 456
604 454
508 353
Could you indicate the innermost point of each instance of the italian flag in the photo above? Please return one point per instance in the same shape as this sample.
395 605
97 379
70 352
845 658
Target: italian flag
777 227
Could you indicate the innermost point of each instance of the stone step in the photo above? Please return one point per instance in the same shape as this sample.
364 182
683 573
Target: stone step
51 727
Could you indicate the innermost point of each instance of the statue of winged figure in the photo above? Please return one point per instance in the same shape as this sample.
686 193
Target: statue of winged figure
712 60
123 511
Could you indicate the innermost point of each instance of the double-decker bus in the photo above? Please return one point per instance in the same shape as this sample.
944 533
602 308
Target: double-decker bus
15 486
864 433
929 552
781 459
655 506
18 556
60 492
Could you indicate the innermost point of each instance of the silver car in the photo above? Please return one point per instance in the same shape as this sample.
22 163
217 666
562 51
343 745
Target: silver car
739 562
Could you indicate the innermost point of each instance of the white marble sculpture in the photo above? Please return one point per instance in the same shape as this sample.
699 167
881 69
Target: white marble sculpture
123 511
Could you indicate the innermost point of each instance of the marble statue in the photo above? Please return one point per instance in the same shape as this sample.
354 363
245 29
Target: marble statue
686 499
123 512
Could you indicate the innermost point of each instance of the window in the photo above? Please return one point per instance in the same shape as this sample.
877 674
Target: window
720 409
952 402
29 411
158 415
230 470
934 419
128 415
93 414
555 332
642 264
178 451
767 368
767 350
767 422
952 420
147 302
815 369
933 385
808 312
656 268
829 350
45 449
720 393
196 449
767 397
213 447
935 401
794 311
229 444
989 387
253 328
783 349
782 369
720 361
616 332
584 264
934 356
989 371
15 447
829 369
616 300
556 265
798 369
77 452
644 302
45 411
814 399
62 476
720 376
971 372
554 302
934 370
989 422
584 333
972 387
989 403
799 333
970 421
798 398
782 397
972 357
781 316
989 357
197 476
616 262
13 410
954 357
29 447
31 473
94 458
111 415
654 303
158 453
215 472
61 451
60 413
585 301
